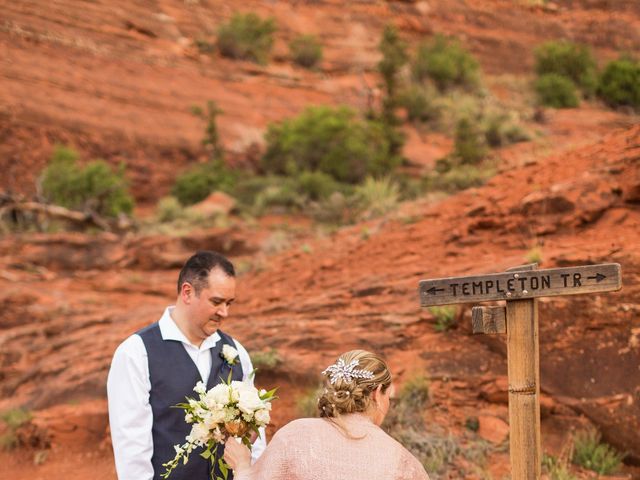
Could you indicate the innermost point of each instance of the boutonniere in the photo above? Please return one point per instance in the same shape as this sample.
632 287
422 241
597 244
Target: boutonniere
229 354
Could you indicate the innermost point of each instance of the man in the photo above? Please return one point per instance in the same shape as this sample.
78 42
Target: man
158 366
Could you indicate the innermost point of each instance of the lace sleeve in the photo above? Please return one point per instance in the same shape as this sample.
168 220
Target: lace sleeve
411 468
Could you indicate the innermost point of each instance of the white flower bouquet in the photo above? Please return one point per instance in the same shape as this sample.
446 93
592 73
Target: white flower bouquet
232 409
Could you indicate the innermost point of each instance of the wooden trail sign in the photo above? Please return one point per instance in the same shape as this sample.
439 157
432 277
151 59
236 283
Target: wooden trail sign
520 287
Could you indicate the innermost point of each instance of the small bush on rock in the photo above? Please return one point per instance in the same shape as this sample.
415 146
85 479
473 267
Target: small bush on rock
332 141
446 62
247 37
556 91
306 51
619 83
95 187
570 60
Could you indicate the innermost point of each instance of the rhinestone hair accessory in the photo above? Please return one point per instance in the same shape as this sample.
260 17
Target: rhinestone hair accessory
341 371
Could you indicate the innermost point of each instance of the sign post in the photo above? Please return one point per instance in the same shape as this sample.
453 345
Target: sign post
520 287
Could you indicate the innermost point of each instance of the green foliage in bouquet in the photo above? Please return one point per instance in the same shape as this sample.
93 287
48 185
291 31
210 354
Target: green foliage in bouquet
247 37
230 409
94 187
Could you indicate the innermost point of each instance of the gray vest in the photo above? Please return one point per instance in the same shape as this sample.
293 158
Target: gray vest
173 375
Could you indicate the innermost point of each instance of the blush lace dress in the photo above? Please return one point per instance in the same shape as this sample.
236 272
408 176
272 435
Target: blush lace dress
315 449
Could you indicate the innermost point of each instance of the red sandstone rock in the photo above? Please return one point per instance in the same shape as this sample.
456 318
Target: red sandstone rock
493 429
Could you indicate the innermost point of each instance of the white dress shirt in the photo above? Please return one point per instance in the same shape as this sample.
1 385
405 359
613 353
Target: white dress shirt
128 387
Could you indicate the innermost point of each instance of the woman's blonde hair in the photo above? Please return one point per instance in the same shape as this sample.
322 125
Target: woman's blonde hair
353 394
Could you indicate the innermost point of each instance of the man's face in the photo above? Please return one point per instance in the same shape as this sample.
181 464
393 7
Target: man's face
207 310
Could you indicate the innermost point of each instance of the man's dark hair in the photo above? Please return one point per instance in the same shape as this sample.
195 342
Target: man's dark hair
196 270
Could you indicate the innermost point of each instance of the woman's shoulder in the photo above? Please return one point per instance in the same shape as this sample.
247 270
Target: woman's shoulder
301 425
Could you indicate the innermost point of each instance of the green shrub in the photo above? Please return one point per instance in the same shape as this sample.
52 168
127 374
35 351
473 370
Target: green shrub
16 417
315 185
282 197
199 181
619 83
534 255
569 60
472 423
405 423
446 62
456 178
469 147
556 91
93 187
13 419
257 193
332 141
499 131
394 57
445 317
338 209
435 451
306 51
247 37
418 105
307 403
266 360
377 197
169 209
249 187
414 393
556 468
590 453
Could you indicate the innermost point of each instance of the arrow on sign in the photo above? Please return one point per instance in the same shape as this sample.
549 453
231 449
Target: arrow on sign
598 277
434 290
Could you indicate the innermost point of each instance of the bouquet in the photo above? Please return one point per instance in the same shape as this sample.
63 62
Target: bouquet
231 409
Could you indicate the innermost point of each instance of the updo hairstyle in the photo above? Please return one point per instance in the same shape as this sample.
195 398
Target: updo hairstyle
344 397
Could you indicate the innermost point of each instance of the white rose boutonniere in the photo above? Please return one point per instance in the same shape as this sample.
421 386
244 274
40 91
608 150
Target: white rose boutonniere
229 354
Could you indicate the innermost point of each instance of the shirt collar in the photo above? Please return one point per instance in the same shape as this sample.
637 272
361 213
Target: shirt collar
170 331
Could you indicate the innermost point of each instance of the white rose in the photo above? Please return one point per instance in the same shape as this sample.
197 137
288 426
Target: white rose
199 434
262 416
188 418
217 396
229 354
200 387
213 418
249 400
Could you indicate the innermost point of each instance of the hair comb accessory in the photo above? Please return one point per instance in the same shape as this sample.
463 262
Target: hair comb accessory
341 371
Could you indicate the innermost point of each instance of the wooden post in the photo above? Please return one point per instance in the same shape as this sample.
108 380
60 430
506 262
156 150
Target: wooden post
523 359
520 287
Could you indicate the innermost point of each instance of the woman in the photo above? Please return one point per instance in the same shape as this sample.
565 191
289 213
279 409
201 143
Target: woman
346 442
